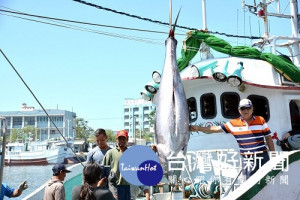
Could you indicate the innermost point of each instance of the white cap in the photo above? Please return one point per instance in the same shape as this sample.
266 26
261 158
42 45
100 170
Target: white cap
245 103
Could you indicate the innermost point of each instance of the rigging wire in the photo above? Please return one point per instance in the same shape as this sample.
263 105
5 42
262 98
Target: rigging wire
68 145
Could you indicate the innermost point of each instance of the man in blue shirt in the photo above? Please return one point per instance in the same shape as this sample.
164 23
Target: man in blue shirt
10 192
97 153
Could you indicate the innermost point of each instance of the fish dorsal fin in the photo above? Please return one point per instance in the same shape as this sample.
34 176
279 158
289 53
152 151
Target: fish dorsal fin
172 31
174 26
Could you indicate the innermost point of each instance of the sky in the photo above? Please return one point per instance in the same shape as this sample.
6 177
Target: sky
92 70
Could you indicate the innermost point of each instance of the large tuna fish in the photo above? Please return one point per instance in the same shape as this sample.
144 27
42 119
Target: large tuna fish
172 115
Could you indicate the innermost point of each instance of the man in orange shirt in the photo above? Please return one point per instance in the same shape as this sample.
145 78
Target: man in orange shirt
250 132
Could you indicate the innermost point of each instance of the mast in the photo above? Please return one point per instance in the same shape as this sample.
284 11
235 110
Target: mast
295 30
204 25
290 42
265 17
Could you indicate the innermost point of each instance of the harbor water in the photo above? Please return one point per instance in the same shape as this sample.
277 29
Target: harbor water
35 176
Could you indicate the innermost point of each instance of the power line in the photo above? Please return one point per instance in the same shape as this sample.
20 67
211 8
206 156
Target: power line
85 23
160 22
124 28
140 39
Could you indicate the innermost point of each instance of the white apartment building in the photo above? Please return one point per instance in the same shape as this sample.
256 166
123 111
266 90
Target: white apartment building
136 112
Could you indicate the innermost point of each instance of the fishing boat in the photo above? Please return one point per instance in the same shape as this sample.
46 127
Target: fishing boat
37 153
214 87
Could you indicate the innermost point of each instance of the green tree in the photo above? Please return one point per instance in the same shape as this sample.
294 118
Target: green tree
83 131
111 137
16 135
151 117
148 137
31 132
24 135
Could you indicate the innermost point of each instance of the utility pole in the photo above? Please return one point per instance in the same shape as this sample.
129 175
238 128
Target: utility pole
68 127
141 124
134 118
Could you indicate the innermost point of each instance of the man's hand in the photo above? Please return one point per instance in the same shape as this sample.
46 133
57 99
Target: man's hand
193 128
153 147
286 136
23 186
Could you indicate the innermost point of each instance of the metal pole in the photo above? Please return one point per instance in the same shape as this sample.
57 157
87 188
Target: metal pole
140 123
295 30
204 25
134 129
264 7
3 149
231 186
68 128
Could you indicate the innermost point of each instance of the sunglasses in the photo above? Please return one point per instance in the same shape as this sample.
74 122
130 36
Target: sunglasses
245 108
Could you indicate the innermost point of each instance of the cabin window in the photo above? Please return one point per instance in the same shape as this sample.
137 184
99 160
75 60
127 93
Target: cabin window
295 115
208 106
261 106
192 105
229 104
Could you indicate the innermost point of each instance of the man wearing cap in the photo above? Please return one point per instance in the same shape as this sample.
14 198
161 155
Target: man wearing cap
249 132
117 184
55 189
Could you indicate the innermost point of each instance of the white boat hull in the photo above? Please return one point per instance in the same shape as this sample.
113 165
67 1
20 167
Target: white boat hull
33 158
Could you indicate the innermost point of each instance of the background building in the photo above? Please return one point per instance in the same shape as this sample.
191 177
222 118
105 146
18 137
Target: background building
136 112
44 128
